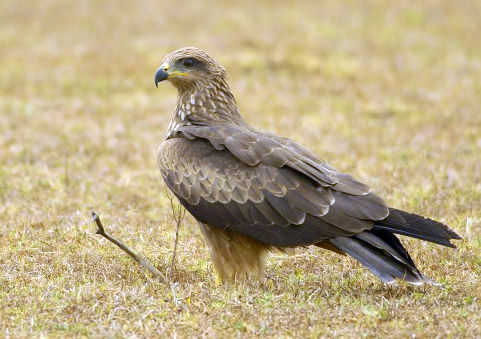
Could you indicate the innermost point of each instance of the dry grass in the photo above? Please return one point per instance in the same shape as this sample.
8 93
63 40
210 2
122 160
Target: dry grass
388 92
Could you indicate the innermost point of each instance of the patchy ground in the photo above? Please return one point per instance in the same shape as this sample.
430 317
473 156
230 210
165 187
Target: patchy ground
389 93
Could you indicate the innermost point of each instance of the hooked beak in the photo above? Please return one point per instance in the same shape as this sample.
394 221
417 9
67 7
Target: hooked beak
161 74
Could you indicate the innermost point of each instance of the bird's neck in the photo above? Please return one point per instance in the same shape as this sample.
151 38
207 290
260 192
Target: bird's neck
205 104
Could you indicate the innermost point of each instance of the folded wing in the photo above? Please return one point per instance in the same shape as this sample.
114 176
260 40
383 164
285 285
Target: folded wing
270 189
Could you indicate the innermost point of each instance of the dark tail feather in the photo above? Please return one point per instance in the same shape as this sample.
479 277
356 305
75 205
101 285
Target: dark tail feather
383 254
416 226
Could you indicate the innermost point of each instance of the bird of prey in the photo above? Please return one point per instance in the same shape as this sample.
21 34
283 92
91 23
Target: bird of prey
253 191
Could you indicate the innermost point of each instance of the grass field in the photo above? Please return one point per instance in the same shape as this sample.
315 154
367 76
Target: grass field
388 92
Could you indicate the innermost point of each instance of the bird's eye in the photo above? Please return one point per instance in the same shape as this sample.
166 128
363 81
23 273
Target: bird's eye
188 62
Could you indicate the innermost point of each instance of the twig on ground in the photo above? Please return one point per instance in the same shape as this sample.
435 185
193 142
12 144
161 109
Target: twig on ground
146 264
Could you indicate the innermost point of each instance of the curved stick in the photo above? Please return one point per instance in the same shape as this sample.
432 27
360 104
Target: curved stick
146 264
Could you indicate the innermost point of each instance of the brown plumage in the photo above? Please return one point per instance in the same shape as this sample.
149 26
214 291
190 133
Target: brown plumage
252 191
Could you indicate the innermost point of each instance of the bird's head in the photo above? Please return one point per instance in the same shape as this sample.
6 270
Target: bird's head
187 67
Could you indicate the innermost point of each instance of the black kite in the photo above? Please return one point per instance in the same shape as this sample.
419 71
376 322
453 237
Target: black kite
252 191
